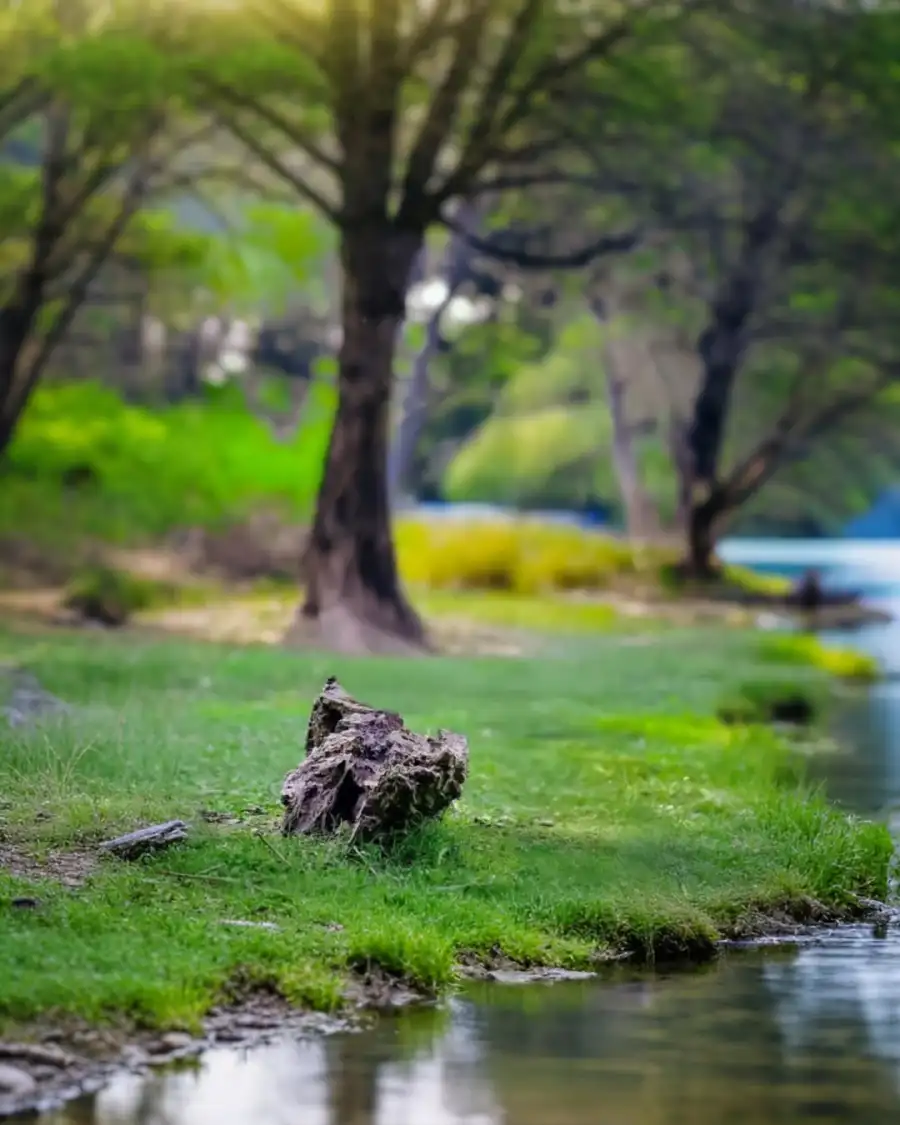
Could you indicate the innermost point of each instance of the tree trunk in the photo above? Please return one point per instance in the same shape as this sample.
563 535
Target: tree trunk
642 520
354 602
455 270
415 406
700 543
705 515
15 327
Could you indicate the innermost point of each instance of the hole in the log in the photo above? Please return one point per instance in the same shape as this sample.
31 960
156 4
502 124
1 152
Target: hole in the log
343 809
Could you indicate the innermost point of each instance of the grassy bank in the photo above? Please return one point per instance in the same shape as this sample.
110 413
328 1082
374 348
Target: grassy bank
607 810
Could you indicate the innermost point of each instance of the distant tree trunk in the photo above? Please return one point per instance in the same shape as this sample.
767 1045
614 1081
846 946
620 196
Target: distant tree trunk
721 349
454 270
701 532
16 323
415 406
679 454
641 517
354 602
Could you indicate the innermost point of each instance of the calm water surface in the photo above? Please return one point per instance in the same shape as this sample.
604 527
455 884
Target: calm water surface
810 1034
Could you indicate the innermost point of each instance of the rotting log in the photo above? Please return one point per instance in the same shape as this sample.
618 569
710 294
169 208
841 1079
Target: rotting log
365 770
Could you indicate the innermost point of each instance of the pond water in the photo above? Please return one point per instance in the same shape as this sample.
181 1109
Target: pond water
771 1037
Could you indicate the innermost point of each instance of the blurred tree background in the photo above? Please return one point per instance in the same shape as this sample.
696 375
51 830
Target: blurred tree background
665 297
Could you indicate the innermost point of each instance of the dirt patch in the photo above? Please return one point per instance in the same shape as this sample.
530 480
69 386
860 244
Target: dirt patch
70 868
265 620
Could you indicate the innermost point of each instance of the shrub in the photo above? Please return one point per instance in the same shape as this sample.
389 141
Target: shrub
102 593
802 649
765 701
84 463
518 556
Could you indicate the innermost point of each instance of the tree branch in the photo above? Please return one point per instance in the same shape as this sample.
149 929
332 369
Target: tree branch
490 127
294 26
440 117
19 102
294 132
276 165
437 25
608 244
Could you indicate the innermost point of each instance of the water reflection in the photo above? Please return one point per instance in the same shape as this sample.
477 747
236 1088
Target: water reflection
779 1037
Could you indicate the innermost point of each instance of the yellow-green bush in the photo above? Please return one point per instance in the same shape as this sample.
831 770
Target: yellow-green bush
517 556
844 663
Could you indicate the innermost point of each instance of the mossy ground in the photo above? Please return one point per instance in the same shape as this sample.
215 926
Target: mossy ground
607 810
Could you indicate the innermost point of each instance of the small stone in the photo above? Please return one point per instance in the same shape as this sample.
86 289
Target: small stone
16 1083
177 1041
134 1056
250 925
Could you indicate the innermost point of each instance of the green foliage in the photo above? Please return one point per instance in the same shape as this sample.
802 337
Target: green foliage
544 458
606 810
805 649
269 253
771 701
145 472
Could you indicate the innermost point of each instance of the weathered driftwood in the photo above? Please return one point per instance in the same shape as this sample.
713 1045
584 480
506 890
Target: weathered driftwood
135 844
364 769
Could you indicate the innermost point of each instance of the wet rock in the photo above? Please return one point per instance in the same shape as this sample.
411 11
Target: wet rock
364 769
135 844
46 1054
176 1041
134 1057
15 1082
536 976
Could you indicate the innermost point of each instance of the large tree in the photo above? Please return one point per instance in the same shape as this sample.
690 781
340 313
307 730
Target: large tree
384 115
770 188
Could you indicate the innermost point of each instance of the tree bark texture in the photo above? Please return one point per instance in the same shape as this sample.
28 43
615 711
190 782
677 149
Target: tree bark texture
701 529
16 323
354 602
721 349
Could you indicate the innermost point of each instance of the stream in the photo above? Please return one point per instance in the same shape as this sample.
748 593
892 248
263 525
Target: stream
776 1036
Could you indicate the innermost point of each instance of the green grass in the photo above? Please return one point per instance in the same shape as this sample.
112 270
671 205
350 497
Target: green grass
553 613
606 809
